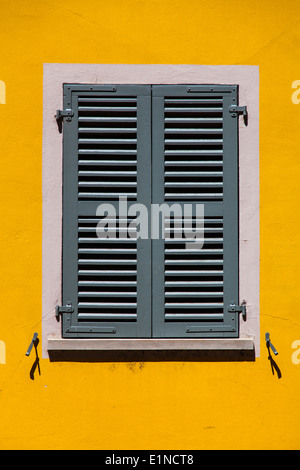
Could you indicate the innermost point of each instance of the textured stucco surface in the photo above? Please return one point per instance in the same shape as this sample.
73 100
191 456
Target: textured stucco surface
139 404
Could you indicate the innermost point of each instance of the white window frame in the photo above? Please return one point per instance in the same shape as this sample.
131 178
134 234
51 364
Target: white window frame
247 77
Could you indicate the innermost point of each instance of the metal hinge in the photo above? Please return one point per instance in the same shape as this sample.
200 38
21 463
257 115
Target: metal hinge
233 308
61 114
59 310
236 110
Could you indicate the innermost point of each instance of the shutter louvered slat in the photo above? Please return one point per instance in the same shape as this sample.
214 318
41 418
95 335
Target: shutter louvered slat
194 120
92 131
108 100
198 163
107 119
205 305
188 142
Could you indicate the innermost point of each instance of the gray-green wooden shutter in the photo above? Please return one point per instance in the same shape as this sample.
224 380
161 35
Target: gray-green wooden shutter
106 154
195 160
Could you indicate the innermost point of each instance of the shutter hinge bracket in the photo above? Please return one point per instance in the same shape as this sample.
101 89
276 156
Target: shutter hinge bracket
61 114
59 310
236 110
233 308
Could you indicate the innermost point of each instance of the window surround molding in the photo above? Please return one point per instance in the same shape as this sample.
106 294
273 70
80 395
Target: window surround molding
247 77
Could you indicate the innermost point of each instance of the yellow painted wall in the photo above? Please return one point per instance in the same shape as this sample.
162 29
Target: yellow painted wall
162 405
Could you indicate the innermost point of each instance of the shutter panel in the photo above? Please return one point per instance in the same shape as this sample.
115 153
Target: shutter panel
107 154
195 161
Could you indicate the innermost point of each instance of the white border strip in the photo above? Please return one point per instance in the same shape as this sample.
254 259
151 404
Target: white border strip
246 76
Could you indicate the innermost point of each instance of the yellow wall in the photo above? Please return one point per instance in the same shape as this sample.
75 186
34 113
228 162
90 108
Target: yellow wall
162 405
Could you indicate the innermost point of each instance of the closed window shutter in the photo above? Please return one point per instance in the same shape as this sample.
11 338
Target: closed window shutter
107 154
195 161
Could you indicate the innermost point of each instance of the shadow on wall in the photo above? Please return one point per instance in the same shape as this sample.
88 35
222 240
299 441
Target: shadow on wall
34 343
274 365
